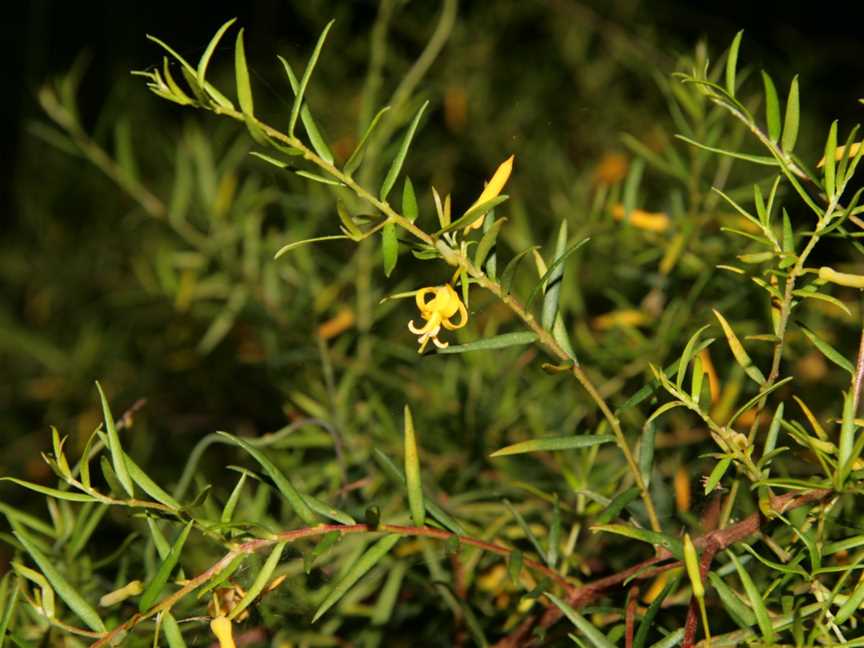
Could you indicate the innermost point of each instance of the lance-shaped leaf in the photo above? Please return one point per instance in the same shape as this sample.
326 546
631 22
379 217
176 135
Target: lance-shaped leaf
261 580
389 248
830 161
64 589
672 545
592 634
772 108
244 91
847 439
738 351
648 619
523 525
317 239
756 601
395 475
496 342
51 492
409 201
357 570
315 137
295 499
118 458
412 472
357 156
201 73
559 260
553 444
792 118
552 288
827 350
487 243
307 74
472 215
399 160
687 355
732 63
737 609
157 583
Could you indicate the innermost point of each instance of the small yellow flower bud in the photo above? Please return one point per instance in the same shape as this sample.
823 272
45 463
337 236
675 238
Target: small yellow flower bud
691 562
492 189
841 278
221 627
113 598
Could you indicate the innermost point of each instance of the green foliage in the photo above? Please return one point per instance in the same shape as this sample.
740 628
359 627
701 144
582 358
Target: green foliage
532 487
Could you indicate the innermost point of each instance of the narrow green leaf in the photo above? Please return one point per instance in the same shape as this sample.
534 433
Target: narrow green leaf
617 505
356 157
756 600
327 542
51 492
828 351
717 473
738 351
157 583
687 355
409 201
228 510
851 605
647 621
830 160
144 481
261 580
295 500
208 53
29 521
670 640
646 451
510 269
307 74
315 137
389 247
772 107
554 444
631 186
488 242
118 458
241 72
764 160
64 589
357 570
318 178
296 244
740 613
552 289
472 215
389 596
173 634
665 407
773 430
554 534
732 63
9 606
398 161
847 438
592 634
514 566
790 123
412 472
672 545
323 508
755 399
497 342
552 268
395 475
525 529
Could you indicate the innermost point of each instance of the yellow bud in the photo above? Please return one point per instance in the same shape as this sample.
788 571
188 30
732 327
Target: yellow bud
221 627
841 278
691 562
112 598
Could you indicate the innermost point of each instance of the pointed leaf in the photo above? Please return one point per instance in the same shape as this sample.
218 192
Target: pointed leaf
790 123
552 289
409 201
398 161
307 74
672 545
738 351
830 161
557 262
315 137
772 108
389 247
488 242
756 601
592 634
732 63
487 344
554 444
158 582
828 351
118 458
366 562
261 580
412 472
295 499
296 244
64 589
208 53
356 157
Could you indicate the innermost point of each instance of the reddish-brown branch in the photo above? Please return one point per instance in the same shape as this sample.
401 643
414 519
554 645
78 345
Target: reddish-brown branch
692 621
630 622
714 541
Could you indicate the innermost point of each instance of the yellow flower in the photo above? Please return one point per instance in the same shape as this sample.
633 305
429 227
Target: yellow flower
492 189
438 312
221 627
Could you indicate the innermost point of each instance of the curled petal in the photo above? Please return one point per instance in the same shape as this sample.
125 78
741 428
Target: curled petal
439 343
420 298
463 319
